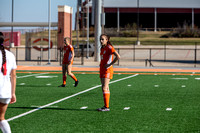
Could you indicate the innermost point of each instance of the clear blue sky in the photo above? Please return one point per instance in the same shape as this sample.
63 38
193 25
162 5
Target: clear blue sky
33 10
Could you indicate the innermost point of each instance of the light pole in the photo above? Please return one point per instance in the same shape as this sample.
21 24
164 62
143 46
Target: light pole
88 8
138 42
98 11
11 39
49 21
77 24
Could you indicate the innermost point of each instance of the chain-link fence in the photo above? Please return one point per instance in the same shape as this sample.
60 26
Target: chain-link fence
187 57
131 55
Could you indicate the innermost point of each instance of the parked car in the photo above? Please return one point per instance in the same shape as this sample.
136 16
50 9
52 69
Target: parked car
78 50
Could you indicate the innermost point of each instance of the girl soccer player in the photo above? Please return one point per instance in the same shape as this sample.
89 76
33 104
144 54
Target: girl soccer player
7 83
106 68
67 62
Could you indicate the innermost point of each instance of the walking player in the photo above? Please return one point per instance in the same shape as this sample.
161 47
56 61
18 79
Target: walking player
67 62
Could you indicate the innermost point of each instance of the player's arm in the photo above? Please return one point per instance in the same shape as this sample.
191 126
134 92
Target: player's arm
72 55
13 85
72 50
63 53
117 57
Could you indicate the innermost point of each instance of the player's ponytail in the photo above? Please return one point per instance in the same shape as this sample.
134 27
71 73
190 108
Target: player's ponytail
3 66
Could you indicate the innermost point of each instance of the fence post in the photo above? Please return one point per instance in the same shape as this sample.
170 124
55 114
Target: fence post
150 54
17 55
146 62
56 51
41 55
133 52
82 56
195 56
165 52
39 60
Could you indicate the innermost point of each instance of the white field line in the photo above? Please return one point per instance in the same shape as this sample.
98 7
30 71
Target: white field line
50 104
46 76
85 107
127 108
180 78
31 75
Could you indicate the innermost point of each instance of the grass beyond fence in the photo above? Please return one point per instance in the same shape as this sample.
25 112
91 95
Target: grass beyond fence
150 38
153 38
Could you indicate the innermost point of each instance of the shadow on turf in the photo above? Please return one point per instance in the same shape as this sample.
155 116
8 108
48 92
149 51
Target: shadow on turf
35 86
43 86
49 108
179 61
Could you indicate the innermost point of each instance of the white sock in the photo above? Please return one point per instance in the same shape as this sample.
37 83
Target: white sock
5 127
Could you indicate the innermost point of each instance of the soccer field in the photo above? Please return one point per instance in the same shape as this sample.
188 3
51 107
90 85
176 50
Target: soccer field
140 102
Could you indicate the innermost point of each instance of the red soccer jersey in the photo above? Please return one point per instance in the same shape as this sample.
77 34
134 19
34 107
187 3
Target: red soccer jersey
106 58
67 54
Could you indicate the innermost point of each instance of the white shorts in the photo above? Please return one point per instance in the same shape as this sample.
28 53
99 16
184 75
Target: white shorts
5 100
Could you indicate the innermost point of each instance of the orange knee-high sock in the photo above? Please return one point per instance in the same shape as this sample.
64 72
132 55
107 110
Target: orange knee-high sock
106 97
73 77
64 79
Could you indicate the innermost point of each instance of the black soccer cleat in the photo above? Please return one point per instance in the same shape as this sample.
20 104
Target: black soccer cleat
103 109
76 83
62 85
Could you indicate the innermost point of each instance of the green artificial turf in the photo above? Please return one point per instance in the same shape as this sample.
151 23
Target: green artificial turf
147 96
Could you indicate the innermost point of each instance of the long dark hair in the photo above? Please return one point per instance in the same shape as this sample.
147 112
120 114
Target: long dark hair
108 37
3 51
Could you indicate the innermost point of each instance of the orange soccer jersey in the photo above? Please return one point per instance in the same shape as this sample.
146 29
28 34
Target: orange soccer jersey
106 58
68 54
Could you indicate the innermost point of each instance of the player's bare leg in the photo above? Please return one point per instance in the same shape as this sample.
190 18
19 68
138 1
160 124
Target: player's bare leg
69 68
5 127
64 69
106 94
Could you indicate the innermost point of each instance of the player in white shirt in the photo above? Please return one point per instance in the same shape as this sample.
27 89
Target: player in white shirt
7 83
